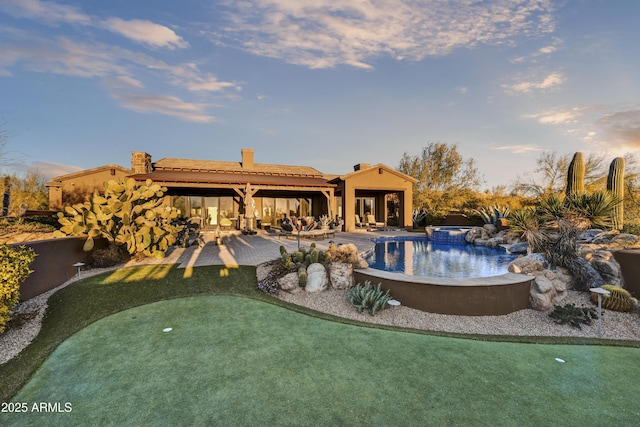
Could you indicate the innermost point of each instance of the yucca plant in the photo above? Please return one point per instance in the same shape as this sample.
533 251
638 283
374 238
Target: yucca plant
527 222
368 297
597 208
551 207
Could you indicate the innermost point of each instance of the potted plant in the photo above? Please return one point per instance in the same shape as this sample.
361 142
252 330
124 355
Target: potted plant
325 221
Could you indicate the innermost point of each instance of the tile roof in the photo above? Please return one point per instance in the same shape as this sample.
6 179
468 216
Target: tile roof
173 164
233 177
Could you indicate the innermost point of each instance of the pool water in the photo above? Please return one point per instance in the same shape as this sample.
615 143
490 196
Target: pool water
419 256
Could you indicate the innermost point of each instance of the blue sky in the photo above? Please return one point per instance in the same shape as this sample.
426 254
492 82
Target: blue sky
323 83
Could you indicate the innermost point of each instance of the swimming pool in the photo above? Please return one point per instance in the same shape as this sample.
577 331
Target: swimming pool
421 256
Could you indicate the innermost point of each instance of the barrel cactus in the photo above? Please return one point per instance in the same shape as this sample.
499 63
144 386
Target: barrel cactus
619 299
615 184
126 214
575 175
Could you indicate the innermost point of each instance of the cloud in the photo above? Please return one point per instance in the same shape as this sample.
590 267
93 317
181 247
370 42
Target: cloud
606 126
165 104
60 56
145 32
557 116
46 11
47 169
122 72
520 149
622 128
326 33
549 82
123 82
140 31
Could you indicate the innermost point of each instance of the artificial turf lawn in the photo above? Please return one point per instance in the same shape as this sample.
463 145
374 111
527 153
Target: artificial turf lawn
89 300
236 361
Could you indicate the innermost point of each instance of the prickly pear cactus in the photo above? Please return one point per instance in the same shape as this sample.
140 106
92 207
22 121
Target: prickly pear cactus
126 214
575 175
615 184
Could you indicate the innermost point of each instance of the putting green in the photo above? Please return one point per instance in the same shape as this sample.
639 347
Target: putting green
235 361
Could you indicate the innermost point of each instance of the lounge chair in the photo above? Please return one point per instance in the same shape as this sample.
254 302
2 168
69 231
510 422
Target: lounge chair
360 224
225 224
373 224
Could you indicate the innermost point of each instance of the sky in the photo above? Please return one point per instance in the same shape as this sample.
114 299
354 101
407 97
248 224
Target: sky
322 83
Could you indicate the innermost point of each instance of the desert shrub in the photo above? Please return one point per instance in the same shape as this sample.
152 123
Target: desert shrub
22 225
368 297
48 221
14 269
632 228
572 315
108 257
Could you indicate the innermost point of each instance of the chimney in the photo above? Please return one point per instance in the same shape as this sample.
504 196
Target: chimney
361 167
247 158
141 162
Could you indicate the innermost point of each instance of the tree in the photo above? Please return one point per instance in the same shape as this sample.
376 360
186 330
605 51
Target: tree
550 175
27 192
445 179
549 178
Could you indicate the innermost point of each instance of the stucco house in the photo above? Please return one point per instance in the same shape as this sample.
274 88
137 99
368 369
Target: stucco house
209 190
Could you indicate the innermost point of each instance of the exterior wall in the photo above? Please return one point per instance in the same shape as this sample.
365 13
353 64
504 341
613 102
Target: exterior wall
81 185
378 180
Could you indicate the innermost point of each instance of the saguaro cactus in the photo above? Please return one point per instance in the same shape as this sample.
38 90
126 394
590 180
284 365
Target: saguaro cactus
615 184
575 175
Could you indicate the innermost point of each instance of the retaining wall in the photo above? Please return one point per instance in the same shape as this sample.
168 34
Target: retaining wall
54 264
629 260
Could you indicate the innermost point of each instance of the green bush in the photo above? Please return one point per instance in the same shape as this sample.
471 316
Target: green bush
368 297
14 269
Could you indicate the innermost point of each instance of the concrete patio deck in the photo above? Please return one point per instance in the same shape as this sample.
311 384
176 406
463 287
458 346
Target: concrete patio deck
238 249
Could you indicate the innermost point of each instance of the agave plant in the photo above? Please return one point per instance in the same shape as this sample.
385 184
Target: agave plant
419 216
491 214
368 297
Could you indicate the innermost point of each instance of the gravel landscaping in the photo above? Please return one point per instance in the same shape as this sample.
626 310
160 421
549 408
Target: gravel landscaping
615 325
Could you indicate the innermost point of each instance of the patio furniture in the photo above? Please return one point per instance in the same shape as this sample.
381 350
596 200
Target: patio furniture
225 224
360 224
373 224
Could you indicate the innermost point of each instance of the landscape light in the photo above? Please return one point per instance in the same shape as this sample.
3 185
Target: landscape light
600 292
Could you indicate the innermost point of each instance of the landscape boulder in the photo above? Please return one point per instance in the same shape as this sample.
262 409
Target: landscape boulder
519 248
289 282
606 265
341 275
317 280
